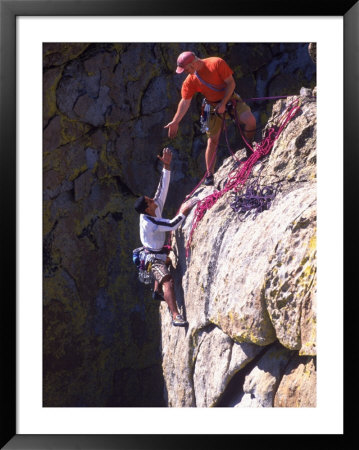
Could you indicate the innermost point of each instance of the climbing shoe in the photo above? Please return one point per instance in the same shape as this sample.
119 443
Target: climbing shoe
209 180
179 321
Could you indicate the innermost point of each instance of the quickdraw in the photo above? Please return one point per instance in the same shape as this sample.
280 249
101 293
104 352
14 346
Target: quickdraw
205 116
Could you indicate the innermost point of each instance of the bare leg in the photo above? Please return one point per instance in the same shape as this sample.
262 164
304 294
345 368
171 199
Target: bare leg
212 143
250 125
169 296
156 286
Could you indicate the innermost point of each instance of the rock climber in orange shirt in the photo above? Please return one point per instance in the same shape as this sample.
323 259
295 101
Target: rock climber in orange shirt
214 79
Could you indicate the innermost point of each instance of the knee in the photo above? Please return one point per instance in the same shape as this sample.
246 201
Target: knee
248 119
251 122
212 141
167 282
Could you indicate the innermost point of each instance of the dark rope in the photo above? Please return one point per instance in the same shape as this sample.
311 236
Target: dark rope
255 197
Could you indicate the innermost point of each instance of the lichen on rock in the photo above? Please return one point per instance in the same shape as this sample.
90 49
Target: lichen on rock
106 343
249 282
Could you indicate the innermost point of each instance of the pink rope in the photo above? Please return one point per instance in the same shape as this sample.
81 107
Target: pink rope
238 177
265 98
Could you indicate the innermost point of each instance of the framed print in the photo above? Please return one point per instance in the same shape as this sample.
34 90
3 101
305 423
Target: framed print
94 357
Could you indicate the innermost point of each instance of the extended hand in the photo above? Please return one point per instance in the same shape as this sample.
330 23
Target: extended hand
188 205
166 157
172 129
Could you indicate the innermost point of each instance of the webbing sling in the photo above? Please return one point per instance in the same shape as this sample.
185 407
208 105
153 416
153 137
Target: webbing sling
211 86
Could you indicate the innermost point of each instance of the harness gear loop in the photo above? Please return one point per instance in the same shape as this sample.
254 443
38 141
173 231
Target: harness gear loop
209 108
143 258
205 114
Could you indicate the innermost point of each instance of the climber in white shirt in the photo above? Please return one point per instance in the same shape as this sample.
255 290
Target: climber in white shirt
153 228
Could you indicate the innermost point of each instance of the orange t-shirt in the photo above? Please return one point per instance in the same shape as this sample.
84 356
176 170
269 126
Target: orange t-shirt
214 71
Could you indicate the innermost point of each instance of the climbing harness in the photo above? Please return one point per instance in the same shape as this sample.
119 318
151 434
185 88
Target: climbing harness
230 112
238 177
143 258
143 261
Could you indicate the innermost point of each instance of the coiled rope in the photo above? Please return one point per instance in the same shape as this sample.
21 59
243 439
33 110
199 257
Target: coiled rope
255 197
238 177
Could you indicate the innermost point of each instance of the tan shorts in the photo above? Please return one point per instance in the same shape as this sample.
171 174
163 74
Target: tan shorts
215 122
160 270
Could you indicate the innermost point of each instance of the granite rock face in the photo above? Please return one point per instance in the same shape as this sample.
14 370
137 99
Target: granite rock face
104 109
248 286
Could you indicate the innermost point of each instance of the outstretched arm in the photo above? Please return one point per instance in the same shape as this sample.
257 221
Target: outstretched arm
182 108
187 206
166 158
171 225
162 189
166 224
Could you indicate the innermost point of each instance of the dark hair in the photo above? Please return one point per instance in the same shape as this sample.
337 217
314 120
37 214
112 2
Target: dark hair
141 205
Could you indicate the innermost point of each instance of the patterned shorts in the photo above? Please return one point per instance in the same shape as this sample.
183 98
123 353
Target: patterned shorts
160 270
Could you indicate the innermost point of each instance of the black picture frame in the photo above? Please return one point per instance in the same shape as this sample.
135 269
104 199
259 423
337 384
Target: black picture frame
9 10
